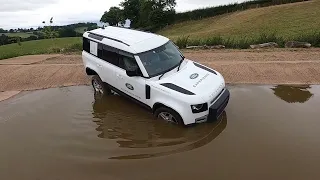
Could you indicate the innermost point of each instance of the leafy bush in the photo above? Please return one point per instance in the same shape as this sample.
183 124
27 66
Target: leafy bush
182 42
215 40
312 38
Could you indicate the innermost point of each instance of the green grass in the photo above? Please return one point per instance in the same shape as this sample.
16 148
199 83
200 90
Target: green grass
44 46
81 29
22 35
286 21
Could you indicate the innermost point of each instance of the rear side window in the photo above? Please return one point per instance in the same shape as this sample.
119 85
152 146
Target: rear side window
110 55
86 45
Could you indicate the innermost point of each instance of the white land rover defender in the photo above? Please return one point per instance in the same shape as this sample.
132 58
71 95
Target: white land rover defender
150 69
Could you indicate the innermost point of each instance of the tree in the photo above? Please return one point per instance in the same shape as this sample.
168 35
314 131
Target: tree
144 14
67 32
131 10
113 16
165 5
155 14
4 39
3 31
48 30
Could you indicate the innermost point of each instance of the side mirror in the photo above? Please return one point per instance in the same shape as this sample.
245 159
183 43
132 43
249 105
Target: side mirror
132 73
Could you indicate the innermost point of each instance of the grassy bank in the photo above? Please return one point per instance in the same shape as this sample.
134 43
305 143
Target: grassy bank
289 21
44 46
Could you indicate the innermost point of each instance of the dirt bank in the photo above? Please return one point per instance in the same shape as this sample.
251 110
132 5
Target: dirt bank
280 66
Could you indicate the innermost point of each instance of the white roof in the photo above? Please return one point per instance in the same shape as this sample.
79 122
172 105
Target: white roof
129 40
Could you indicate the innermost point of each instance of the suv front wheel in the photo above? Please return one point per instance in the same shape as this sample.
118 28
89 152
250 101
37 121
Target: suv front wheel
99 86
168 115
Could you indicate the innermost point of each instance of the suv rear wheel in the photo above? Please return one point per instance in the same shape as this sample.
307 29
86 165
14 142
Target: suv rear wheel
99 86
168 115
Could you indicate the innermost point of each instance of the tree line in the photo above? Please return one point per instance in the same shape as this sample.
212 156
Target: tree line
152 15
143 14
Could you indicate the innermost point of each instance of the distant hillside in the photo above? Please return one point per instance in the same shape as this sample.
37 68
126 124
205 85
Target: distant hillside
287 21
25 33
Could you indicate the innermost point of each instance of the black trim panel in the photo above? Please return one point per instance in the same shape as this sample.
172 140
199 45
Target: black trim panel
110 38
129 97
148 91
205 68
217 108
177 88
217 96
94 36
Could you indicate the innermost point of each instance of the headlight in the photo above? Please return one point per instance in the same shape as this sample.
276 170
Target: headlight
198 108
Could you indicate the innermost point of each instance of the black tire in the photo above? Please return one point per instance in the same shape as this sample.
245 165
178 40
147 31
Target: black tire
100 88
178 120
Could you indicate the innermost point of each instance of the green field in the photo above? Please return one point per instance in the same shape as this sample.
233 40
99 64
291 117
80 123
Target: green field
287 21
40 47
22 35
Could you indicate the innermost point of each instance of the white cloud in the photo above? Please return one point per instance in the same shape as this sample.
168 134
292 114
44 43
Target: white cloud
31 13
17 5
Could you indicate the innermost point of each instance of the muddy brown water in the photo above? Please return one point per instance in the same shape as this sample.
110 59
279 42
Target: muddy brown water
267 132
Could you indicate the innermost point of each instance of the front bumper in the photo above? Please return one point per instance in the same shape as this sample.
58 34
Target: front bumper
217 108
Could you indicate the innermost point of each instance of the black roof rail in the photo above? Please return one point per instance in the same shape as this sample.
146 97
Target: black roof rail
132 29
100 37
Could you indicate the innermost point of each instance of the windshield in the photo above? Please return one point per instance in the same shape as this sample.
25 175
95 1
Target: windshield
161 59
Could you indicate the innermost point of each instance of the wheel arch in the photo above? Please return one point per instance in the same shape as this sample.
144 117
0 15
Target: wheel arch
90 71
159 104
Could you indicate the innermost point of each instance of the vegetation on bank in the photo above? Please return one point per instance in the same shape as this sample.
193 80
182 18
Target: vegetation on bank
245 41
298 21
45 46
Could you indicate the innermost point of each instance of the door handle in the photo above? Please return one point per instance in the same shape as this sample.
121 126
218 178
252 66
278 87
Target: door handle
99 65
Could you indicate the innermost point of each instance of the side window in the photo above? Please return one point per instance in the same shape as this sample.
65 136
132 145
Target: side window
108 54
86 45
100 51
128 63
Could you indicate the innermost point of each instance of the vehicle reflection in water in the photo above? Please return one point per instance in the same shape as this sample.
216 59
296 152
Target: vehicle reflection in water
134 127
293 94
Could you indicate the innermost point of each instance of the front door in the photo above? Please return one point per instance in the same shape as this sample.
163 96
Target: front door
135 87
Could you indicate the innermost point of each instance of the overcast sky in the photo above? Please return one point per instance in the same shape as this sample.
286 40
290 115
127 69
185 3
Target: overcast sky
30 13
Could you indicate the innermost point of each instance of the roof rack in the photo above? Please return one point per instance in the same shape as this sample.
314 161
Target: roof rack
100 37
132 29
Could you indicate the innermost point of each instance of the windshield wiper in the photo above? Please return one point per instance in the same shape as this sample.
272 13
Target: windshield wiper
171 69
163 74
180 62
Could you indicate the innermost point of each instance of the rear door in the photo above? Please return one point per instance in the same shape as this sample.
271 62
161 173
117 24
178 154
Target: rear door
108 63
